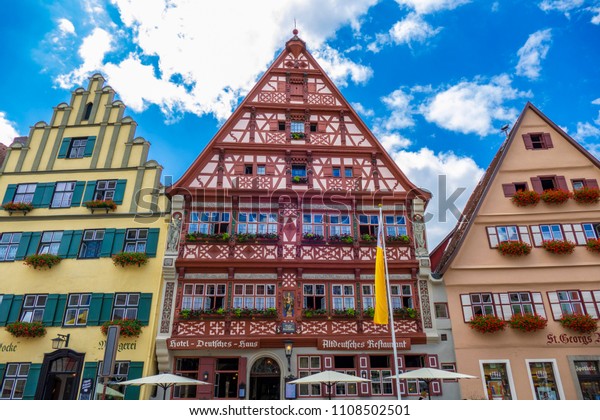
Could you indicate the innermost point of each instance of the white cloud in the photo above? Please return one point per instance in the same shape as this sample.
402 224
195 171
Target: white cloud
412 28
563 6
533 52
358 107
472 107
66 26
8 130
430 6
444 174
92 51
207 55
596 17
392 141
586 131
596 101
401 111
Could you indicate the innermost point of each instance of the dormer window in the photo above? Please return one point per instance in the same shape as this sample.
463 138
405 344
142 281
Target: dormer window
537 141
88 112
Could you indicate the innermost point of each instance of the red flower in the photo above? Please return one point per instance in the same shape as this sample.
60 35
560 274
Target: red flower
130 258
593 245
559 247
26 329
527 322
583 324
487 324
555 196
586 195
129 327
514 248
525 198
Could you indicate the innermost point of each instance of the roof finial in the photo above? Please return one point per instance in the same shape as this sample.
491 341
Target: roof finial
295 31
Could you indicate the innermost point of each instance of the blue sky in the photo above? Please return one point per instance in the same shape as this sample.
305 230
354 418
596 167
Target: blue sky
434 79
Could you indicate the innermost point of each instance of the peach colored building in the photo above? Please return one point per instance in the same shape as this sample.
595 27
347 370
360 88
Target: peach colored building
553 362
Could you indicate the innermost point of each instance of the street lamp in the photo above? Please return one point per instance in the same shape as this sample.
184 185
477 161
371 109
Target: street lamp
61 339
289 348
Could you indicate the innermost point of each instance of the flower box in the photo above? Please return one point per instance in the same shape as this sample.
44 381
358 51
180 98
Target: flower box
188 314
345 313
405 313
514 248
17 207
583 324
26 329
297 136
39 261
403 239
267 237
314 313
586 195
487 324
249 312
206 237
555 196
100 205
129 327
527 322
525 198
593 245
344 239
368 238
559 247
245 237
299 180
130 258
312 237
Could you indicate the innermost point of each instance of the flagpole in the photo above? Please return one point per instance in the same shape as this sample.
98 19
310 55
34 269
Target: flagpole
389 300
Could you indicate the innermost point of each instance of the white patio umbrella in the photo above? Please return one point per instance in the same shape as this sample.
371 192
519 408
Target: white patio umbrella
429 374
109 391
164 381
329 378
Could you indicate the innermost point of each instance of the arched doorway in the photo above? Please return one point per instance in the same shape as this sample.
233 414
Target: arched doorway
265 380
59 378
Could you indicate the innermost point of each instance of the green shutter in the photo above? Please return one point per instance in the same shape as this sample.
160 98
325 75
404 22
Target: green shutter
2 368
61 304
120 191
43 194
7 301
32 381
135 372
144 307
64 147
9 195
15 309
90 371
89 191
152 242
23 246
65 243
89 146
107 242
106 311
77 193
119 241
34 243
95 308
75 244
50 309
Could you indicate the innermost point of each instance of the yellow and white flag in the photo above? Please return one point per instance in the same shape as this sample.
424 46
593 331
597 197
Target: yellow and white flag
381 303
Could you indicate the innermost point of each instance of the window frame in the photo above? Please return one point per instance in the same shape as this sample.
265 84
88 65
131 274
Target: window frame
249 296
552 230
17 378
314 296
571 302
521 303
85 243
555 371
507 370
209 222
63 196
126 306
105 190
395 225
9 245
269 224
339 228
312 390
77 147
347 300
444 305
25 195
313 223
29 310
199 298
136 242
79 307
50 246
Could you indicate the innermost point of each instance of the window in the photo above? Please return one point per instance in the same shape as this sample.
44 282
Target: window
368 225
49 243
87 112
441 310
203 296
309 365
339 225
520 186
402 296
120 373
135 240
395 225
14 381
226 378
380 370
348 172
503 234
63 194
537 141
33 308
521 303
125 306
297 127
189 368
342 297
498 381
281 126
548 183
77 148
24 193
570 302
482 304
209 222
105 190
78 307
261 170
578 184
449 367
544 379
345 364
551 232
591 230
257 223
254 296
368 296
313 127
91 244
584 183
314 296
299 170
248 170
313 223
336 172
9 243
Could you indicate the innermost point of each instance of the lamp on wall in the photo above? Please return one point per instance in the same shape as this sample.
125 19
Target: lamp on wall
205 376
289 348
60 340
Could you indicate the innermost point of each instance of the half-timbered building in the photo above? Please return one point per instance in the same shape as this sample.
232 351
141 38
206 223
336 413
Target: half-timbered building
269 269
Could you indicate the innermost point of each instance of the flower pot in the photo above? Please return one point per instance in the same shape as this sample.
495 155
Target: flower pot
559 247
487 324
514 248
582 324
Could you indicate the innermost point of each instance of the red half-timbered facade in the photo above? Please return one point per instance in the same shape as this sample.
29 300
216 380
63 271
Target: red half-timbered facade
269 272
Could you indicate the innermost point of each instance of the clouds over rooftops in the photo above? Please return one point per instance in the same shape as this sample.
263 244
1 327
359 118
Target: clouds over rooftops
532 53
8 130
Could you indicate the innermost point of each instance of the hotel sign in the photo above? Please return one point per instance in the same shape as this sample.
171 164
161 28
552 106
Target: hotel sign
211 344
364 344
573 339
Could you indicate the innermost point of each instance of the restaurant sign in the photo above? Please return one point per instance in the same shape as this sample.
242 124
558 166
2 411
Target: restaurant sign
586 339
362 344
213 344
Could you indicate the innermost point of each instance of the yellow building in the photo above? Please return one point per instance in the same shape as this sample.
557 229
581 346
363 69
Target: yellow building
78 193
